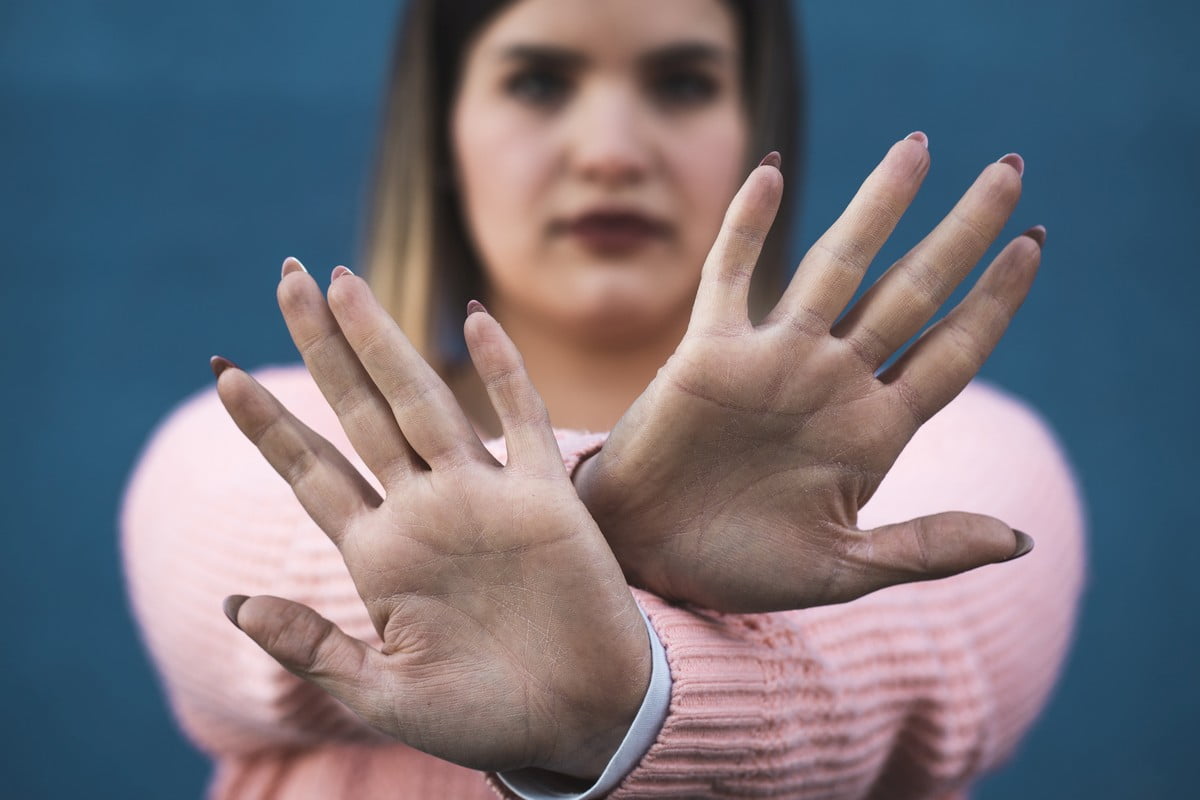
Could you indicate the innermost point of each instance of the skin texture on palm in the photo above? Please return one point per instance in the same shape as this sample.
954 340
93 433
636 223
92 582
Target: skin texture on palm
510 636
735 480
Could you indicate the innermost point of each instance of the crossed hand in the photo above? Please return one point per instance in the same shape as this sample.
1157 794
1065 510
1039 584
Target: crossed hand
501 592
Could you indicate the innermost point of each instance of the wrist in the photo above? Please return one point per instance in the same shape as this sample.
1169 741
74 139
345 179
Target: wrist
586 739
581 475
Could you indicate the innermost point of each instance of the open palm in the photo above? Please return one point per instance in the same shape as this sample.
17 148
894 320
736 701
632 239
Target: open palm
510 638
735 480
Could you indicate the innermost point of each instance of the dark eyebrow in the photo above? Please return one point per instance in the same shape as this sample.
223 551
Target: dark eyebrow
566 58
685 52
544 54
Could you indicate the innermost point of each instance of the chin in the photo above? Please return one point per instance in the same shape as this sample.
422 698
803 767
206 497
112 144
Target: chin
622 319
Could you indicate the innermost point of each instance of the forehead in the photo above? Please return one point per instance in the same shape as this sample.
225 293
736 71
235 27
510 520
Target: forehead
611 29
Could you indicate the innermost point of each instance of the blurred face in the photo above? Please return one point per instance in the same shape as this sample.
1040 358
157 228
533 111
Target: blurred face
597 144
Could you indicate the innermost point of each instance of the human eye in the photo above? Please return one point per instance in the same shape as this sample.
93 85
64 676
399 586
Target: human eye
683 88
538 86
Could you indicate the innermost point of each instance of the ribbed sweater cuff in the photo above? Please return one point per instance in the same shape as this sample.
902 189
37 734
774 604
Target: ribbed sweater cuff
714 725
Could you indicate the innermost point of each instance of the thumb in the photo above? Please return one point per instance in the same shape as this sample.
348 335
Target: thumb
312 647
937 546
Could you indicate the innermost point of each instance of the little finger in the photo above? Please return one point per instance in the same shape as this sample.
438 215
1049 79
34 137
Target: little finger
327 485
945 359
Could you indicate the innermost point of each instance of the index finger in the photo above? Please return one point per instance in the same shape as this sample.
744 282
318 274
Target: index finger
364 413
723 297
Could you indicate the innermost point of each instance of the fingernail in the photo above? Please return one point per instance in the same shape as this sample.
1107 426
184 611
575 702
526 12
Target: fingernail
1038 234
1015 161
474 307
918 136
219 365
1024 544
291 264
772 159
232 605
339 271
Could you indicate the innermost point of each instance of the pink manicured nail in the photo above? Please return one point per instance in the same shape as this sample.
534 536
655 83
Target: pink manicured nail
474 307
291 264
1015 161
918 136
232 605
339 271
1038 234
772 159
219 365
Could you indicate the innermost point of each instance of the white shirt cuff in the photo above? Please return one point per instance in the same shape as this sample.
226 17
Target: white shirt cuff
539 784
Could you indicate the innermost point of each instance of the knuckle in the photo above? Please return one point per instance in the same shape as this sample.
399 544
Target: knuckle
848 254
417 394
263 427
322 344
993 308
374 345
964 343
869 345
928 284
911 401
309 637
804 321
922 537
745 233
299 464
504 382
977 231
351 401
880 208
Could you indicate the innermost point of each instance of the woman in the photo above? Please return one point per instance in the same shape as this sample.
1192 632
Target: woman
581 157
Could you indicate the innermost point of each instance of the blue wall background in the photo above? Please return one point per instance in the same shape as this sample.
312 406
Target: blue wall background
160 159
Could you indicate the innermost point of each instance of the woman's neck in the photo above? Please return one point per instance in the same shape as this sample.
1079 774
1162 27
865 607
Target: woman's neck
585 385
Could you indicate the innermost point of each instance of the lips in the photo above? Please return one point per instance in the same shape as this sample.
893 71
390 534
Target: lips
614 232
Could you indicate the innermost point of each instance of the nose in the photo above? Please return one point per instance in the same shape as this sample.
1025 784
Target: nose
611 144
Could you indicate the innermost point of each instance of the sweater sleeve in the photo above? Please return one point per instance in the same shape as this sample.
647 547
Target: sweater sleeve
912 691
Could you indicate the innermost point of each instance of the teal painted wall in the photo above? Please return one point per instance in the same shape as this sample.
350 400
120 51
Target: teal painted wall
159 160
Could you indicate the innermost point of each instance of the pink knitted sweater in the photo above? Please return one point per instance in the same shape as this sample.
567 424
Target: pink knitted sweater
910 692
